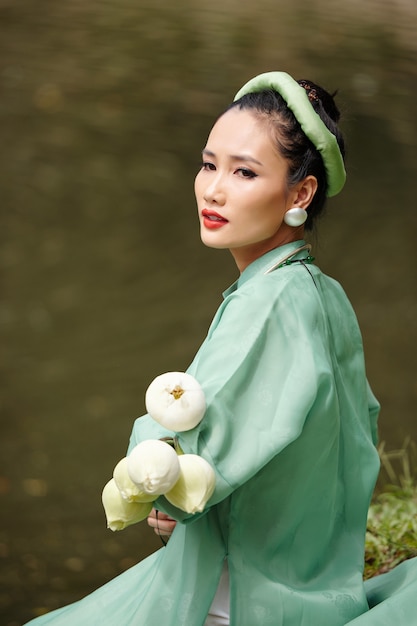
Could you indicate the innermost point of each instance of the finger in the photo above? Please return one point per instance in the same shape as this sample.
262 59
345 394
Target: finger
155 514
162 524
162 528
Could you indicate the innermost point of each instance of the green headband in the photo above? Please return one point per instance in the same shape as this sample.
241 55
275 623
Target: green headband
297 100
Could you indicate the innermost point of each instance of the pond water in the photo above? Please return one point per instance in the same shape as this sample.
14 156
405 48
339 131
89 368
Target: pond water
105 107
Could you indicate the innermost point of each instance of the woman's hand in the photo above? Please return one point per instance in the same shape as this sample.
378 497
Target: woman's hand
162 524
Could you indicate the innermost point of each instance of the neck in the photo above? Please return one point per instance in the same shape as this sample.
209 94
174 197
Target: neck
248 254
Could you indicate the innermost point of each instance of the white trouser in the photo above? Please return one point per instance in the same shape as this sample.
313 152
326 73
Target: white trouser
219 610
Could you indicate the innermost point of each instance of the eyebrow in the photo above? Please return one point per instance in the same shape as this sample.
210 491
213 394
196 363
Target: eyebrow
235 157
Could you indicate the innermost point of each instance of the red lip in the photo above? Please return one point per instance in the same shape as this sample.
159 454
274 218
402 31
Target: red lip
213 220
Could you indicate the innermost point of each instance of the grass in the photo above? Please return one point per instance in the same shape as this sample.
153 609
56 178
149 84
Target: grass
392 520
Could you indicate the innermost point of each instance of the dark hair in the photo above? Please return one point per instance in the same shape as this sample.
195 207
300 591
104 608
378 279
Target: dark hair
303 157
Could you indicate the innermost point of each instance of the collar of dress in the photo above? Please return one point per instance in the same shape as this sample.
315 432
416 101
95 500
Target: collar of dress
260 265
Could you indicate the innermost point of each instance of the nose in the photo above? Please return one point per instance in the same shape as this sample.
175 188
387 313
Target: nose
215 192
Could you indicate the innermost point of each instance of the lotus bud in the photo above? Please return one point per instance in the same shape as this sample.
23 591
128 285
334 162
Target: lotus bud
176 401
119 512
195 485
153 466
129 491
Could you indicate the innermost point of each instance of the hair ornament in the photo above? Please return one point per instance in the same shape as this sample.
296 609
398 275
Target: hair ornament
298 100
311 92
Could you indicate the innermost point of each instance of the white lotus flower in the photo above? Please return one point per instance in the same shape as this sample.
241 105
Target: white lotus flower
176 401
153 466
128 489
195 485
119 512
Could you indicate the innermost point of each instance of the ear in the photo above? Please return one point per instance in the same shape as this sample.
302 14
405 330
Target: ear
304 191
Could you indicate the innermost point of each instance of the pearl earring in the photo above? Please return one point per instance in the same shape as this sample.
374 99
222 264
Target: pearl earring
295 216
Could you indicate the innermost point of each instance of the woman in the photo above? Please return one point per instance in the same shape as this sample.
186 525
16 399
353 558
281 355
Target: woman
290 426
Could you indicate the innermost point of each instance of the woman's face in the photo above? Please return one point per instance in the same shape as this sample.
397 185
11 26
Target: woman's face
241 189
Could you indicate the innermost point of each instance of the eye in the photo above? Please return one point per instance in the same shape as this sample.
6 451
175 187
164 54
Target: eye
244 172
207 166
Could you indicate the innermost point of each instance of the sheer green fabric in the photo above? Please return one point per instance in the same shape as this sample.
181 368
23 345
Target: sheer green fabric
290 430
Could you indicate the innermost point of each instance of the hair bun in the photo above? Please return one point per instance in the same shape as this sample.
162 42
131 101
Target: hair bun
319 96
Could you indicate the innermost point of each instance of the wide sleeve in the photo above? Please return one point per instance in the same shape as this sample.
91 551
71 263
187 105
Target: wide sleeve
260 368
146 428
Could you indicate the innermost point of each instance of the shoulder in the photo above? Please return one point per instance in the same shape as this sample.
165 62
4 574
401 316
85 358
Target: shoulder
287 297
287 285
295 295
